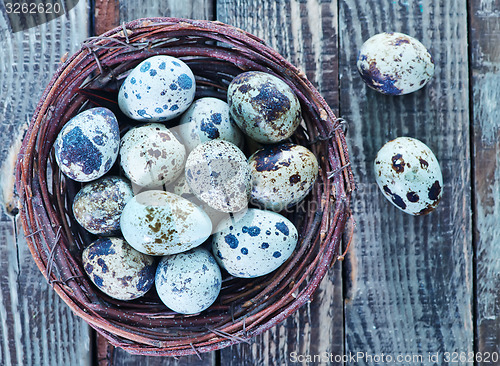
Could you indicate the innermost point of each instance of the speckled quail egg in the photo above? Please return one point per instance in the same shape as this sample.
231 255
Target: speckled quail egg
254 242
188 282
282 175
117 269
97 207
395 63
217 172
150 155
208 119
159 223
408 174
158 89
87 146
263 106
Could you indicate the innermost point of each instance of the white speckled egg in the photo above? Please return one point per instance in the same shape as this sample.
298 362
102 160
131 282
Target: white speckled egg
98 206
408 174
87 146
282 175
188 282
263 106
158 89
117 269
208 119
150 155
395 63
217 172
159 223
254 243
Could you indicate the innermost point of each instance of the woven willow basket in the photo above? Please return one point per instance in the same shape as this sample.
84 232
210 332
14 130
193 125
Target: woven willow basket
246 307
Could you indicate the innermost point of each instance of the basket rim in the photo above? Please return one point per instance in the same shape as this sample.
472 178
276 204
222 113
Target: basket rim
39 225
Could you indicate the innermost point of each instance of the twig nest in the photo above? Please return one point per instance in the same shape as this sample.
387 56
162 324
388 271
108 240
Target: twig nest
408 174
395 63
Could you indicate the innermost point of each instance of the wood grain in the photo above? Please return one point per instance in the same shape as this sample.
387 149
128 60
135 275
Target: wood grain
485 66
410 278
36 327
305 32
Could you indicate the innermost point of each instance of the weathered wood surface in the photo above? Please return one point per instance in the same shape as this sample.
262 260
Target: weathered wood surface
36 327
410 286
485 73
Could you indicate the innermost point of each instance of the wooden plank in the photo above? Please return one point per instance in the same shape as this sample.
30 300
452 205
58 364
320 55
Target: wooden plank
36 327
305 32
410 278
129 10
485 52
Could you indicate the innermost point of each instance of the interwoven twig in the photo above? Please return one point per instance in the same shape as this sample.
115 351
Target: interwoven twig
246 307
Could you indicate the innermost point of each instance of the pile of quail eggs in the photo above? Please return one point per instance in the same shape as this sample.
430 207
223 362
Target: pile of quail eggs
177 217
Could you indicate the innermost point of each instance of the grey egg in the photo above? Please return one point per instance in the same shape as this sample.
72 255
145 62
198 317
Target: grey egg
117 269
263 106
98 206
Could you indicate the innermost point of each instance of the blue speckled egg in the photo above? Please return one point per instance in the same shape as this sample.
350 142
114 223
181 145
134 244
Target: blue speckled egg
282 175
208 119
117 269
98 206
160 223
263 106
217 172
394 63
150 155
188 282
87 146
254 242
158 89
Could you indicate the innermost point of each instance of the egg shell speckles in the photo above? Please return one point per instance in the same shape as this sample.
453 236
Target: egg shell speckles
394 63
87 146
208 119
282 175
408 174
263 106
189 282
117 269
98 206
217 172
158 89
150 155
160 223
254 243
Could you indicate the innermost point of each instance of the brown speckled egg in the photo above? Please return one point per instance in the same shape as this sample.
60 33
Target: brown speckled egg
98 206
263 106
394 63
188 282
117 269
408 174
281 175
160 223
217 172
151 155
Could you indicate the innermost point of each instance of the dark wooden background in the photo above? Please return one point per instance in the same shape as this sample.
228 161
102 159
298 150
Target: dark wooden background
409 285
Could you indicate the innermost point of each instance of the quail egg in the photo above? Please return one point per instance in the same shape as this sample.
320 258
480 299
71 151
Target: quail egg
408 174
